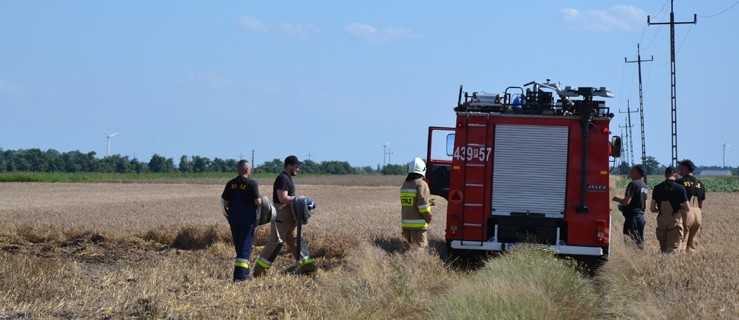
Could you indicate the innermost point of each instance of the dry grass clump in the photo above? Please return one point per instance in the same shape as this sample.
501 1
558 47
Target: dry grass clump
377 284
188 237
523 284
690 285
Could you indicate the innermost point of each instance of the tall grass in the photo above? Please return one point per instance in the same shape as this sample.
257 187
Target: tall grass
523 284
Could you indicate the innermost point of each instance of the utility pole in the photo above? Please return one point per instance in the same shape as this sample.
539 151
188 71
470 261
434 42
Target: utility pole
254 165
309 155
673 76
641 107
629 132
625 145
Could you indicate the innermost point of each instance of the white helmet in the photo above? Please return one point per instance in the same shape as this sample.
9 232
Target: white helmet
417 166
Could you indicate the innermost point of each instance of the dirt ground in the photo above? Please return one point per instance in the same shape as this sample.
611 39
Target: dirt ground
162 250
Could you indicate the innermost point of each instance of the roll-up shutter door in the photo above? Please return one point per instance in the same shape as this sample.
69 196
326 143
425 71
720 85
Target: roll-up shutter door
530 170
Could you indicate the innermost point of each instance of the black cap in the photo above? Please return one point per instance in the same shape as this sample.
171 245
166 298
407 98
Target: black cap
292 160
640 168
687 164
670 171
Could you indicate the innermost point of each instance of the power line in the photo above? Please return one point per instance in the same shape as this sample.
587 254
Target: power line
629 132
722 11
658 28
641 106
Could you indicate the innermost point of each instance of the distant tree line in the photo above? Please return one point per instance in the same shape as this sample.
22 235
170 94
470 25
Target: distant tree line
37 160
655 168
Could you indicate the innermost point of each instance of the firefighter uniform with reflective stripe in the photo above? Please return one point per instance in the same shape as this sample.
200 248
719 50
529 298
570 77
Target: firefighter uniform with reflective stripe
692 220
240 194
415 211
668 197
283 228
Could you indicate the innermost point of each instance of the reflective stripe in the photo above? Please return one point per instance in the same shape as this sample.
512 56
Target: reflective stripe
424 206
306 261
414 224
425 210
241 262
264 263
407 198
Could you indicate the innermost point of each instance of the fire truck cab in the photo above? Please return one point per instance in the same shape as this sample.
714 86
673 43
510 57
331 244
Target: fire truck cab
526 167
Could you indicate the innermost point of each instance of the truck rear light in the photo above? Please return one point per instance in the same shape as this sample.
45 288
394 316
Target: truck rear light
453 225
601 230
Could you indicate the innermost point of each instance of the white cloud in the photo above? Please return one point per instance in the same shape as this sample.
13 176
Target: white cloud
12 88
212 80
253 24
297 30
372 34
287 28
618 18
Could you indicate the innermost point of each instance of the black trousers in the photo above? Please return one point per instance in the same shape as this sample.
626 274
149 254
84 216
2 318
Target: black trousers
634 226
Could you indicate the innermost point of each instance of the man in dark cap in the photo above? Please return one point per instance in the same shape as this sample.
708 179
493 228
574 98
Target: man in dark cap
284 226
696 193
669 198
633 205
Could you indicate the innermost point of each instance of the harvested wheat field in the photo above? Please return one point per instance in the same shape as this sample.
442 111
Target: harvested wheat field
163 250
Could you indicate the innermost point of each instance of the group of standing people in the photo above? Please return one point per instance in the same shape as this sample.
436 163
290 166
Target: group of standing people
242 201
677 202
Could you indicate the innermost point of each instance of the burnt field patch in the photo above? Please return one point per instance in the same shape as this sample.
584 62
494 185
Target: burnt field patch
163 250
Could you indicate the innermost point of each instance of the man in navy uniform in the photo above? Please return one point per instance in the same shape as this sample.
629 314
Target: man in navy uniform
240 201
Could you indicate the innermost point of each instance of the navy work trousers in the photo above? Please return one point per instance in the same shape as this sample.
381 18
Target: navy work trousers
634 227
242 231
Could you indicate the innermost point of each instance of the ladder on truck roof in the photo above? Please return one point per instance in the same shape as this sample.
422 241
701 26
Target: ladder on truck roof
476 175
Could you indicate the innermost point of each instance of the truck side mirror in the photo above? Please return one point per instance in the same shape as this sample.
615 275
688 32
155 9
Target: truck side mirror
450 144
615 147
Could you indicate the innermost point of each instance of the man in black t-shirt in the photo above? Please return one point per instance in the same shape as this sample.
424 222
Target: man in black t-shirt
240 201
696 193
669 198
633 204
284 226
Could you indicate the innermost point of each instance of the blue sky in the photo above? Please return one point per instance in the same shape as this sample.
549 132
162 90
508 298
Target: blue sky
338 80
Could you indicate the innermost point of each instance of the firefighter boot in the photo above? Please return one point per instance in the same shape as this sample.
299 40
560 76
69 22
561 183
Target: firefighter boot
307 266
264 262
241 270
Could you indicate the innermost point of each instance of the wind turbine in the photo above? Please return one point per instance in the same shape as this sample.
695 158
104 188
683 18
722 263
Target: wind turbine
725 145
109 135
385 153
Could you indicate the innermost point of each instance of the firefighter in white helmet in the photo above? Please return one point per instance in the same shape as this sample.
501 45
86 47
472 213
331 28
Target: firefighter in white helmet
415 201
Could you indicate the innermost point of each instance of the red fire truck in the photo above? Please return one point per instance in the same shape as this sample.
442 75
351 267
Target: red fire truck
529 166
